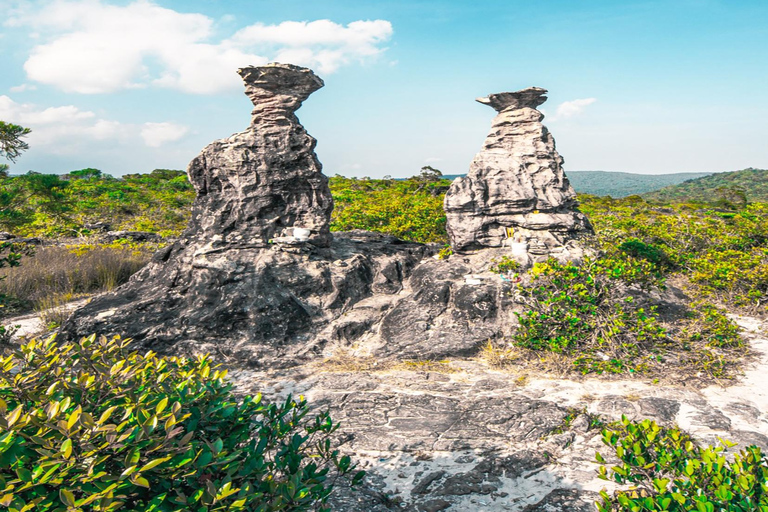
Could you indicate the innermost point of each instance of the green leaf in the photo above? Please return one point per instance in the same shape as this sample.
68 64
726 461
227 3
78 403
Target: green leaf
66 448
67 498
153 463
161 406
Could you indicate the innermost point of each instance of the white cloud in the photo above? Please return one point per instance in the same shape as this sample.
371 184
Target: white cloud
23 87
432 160
157 134
572 108
92 47
67 129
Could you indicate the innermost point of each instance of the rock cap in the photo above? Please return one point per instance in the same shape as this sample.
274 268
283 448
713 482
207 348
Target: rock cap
531 97
293 84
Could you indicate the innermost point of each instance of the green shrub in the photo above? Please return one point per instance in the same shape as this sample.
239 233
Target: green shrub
668 470
649 252
503 265
91 426
576 309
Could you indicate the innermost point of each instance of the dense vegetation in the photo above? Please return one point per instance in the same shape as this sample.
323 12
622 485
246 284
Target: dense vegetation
51 205
92 426
726 188
410 209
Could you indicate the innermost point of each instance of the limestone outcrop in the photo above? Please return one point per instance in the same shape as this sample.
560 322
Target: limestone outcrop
257 278
516 193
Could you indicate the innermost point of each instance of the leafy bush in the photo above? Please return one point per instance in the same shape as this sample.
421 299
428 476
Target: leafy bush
91 426
576 309
503 265
668 470
649 252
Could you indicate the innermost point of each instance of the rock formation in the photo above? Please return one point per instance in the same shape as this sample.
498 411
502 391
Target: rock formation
255 185
258 279
516 191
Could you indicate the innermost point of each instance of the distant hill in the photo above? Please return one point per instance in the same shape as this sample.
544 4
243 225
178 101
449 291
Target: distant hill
737 186
619 184
622 184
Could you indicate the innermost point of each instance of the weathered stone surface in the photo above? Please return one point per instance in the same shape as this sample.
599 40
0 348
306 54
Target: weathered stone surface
135 236
261 307
562 500
516 186
254 185
223 288
474 439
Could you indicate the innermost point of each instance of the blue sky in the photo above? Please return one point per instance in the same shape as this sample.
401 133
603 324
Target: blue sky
648 87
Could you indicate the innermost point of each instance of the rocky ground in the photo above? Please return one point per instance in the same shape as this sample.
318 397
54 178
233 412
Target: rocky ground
457 435
465 437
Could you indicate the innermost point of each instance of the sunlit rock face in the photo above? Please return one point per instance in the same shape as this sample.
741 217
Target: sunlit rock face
516 190
255 184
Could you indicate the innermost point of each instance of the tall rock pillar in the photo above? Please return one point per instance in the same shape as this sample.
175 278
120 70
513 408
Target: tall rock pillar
516 190
255 185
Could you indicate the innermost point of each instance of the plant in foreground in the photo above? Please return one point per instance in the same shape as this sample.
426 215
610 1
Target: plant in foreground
669 471
92 426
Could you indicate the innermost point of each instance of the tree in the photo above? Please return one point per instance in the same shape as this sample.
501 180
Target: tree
429 173
11 144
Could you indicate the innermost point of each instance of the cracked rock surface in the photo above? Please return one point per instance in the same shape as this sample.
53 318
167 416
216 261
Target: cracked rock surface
472 438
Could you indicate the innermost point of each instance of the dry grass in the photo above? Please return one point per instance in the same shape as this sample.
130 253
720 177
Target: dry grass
344 362
57 274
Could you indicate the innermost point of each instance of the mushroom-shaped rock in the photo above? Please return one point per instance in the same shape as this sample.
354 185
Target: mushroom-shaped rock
516 191
258 184
223 288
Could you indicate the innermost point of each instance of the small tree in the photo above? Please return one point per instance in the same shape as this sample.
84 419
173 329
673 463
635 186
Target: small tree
11 144
429 173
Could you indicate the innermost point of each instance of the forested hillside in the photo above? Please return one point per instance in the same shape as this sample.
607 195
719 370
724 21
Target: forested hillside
737 187
622 184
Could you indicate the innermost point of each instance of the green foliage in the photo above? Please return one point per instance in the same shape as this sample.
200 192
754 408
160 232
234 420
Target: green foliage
726 189
429 173
648 252
581 310
29 198
668 470
92 426
11 143
723 256
409 209
503 265
445 252
52 205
